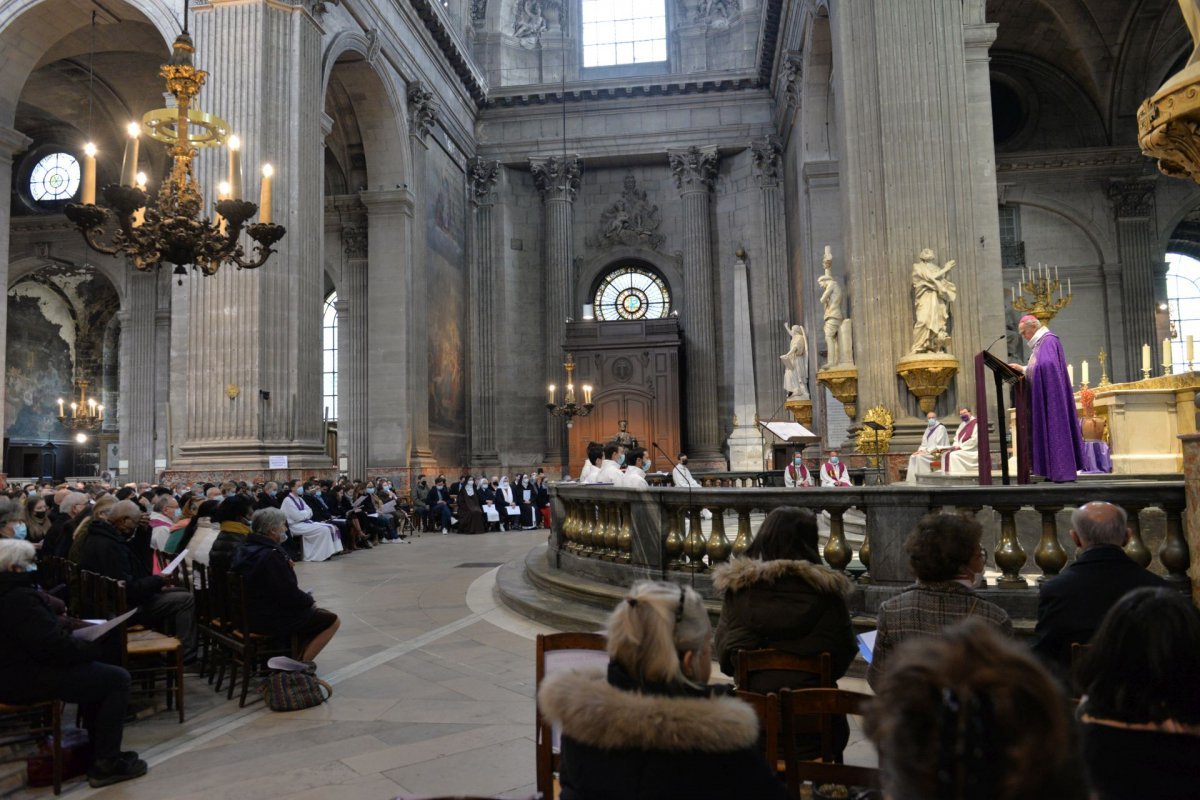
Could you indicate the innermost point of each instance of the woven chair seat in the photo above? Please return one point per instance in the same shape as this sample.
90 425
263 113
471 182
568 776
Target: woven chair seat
161 644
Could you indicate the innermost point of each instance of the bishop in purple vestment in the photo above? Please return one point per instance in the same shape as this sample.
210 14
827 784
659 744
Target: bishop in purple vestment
1056 441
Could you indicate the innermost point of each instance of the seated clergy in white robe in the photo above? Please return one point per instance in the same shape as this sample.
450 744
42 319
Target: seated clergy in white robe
610 470
963 457
833 471
796 475
935 438
320 540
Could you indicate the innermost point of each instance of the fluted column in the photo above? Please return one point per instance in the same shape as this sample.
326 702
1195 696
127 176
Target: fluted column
352 349
254 336
1133 205
481 357
695 171
770 290
422 117
140 373
558 181
11 142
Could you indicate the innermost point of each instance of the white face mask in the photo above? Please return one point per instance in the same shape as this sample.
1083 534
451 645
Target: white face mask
646 465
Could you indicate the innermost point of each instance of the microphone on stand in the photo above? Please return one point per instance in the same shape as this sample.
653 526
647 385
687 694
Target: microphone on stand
998 338
674 467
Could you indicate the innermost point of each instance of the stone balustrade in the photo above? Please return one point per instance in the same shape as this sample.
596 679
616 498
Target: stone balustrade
620 535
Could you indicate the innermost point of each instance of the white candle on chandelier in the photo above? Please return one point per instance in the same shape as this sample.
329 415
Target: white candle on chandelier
1191 352
60 406
550 394
223 193
129 168
264 194
89 174
1071 374
100 409
235 166
587 394
1166 355
139 216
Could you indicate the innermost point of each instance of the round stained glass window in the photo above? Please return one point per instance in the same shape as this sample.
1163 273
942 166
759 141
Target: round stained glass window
631 293
55 177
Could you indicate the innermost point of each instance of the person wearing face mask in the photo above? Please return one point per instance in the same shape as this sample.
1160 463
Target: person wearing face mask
591 467
438 501
963 457
933 441
37 518
524 496
945 552
41 661
491 509
163 516
320 539
796 474
11 524
610 469
635 473
541 500
834 473
269 496
506 501
470 508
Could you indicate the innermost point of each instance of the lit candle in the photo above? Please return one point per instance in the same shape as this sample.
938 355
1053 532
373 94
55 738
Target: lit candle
89 173
129 165
1068 287
1190 350
587 393
60 406
569 395
100 409
264 194
1166 355
1145 358
550 394
74 408
1071 374
828 252
1083 373
223 193
1023 278
235 166
139 216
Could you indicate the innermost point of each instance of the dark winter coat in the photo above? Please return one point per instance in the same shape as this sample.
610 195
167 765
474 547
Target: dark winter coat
31 635
275 604
795 606
622 744
231 537
108 553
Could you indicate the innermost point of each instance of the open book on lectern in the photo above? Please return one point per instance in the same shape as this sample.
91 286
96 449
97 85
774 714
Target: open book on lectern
791 432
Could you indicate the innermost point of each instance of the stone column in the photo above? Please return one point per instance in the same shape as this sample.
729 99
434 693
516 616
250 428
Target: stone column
770 289
695 171
1133 205
916 69
139 375
557 179
254 352
352 349
481 356
11 142
422 117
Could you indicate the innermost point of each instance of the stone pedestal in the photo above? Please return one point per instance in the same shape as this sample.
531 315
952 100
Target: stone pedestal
843 383
927 376
801 411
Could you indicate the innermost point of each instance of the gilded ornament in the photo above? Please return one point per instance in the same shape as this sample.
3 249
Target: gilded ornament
875 443
232 391
927 376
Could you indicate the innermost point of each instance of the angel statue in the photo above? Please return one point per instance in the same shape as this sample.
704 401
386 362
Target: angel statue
795 363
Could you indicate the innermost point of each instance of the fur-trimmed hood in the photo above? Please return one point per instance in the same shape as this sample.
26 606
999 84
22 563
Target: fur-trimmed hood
742 573
595 713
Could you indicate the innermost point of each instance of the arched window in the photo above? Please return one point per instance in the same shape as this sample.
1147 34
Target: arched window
623 32
329 351
1183 303
630 292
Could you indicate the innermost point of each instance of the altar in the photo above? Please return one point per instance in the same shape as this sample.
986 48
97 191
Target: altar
1144 421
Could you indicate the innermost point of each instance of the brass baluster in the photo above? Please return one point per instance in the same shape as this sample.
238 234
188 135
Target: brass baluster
1136 549
837 552
1010 557
742 540
592 538
718 545
1174 552
625 535
601 538
864 555
673 544
693 544
612 525
1049 554
566 526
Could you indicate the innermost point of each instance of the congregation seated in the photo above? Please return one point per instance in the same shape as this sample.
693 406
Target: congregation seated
420 491
275 604
37 518
319 539
650 725
109 551
269 496
1072 605
470 508
165 511
72 509
780 596
946 554
438 501
41 661
968 714
99 511
232 516
201 533
1140 714
636 466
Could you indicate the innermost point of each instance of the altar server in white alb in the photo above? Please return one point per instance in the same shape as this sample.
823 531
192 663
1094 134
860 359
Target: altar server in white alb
682 477
963 457
833 471
635 470
796 475
320 540
935 439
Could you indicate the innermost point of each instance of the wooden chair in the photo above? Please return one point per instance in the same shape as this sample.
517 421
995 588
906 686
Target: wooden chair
1079 653
752 661
557 652
807 703
32 723
255 648
766 706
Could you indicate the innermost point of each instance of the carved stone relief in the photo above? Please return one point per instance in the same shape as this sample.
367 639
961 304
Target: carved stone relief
630 220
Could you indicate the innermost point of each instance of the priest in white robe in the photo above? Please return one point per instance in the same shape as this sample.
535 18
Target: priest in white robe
963 456
796 475
320 540
635 472
936 438
610 470
833 471
682 477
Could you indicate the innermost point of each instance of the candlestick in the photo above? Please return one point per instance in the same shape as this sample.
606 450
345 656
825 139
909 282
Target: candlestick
550 394
1103 370
235 166
264 194
828 252
587 393
89 174
1071 374
100 409
74 408
1083 373
1166 356
1068 285
60 406
223 193
129 168
1145 358
569 395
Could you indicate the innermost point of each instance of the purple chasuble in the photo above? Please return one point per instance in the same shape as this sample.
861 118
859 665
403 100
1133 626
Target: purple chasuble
1057 444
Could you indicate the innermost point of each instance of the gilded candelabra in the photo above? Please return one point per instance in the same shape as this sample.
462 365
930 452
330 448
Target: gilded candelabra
569 409
1041 283
170 227
86 415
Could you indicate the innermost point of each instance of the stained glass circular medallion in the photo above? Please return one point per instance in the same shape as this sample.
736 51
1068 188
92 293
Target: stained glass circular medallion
55 177
630 293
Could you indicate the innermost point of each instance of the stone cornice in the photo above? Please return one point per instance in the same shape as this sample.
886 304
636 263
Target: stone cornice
388 200
12 141
1067 160
49 223
618 89
452 48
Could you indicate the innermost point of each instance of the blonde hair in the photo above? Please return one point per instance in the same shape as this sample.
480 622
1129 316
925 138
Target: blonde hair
652 626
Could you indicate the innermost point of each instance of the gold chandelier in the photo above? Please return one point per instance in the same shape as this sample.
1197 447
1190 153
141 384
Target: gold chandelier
170 227
86 415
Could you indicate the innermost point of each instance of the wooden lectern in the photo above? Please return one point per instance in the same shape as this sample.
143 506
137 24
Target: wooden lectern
1003 375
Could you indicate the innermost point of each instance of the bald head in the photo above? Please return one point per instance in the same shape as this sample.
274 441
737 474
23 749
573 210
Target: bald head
1099 523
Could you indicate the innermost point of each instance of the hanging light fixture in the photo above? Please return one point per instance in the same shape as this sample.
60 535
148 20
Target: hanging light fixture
85 415
169 227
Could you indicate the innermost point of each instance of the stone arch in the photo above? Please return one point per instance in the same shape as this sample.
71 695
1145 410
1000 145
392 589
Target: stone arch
1058 103
591 270
818 106
1100 242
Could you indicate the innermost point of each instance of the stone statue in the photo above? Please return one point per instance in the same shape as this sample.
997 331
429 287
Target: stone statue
831 302
795 363
631 219
932 294
529 23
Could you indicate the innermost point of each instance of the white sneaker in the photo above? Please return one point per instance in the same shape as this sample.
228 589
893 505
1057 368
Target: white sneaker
444 531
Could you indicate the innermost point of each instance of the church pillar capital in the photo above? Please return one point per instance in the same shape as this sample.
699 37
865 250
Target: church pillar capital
557 177
1132 199
768 160
695 169
483 175
423 111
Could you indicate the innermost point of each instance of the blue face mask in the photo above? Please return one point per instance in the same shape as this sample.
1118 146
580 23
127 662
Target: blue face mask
621 460
20 531
32 567
834 460
370 490
932 422
178 513
317 493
